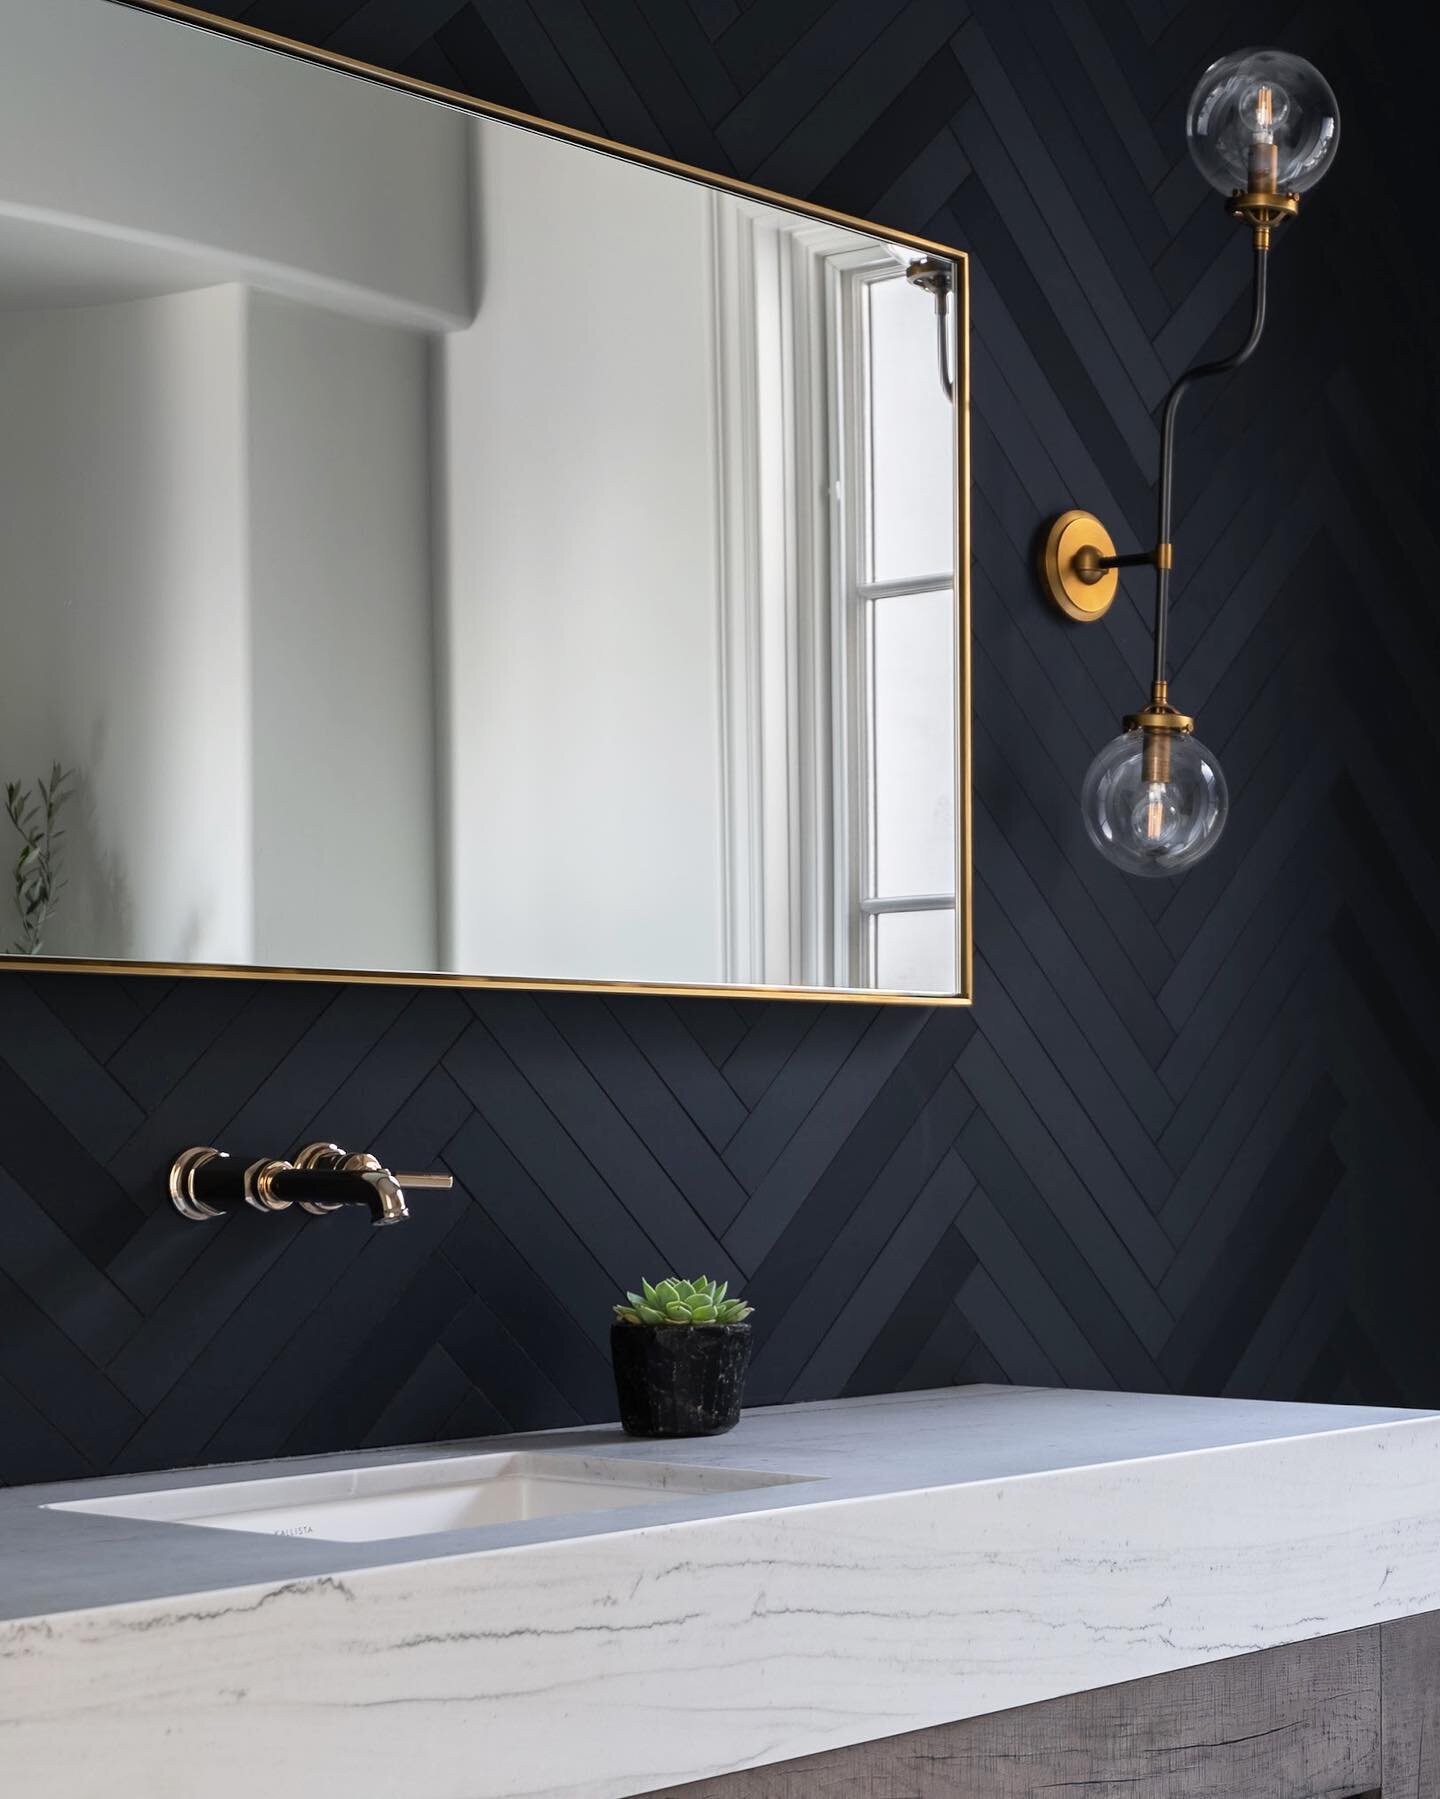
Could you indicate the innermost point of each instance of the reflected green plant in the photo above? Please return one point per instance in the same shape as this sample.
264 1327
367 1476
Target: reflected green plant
38 875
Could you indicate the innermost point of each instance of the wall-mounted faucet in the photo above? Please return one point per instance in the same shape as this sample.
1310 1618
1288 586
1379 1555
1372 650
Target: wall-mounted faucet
205 1183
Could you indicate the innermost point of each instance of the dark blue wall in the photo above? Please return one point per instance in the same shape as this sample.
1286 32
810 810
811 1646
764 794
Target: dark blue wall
1187 1137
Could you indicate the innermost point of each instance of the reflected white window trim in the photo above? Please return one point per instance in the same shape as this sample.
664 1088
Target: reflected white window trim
795 523
772 363
856 595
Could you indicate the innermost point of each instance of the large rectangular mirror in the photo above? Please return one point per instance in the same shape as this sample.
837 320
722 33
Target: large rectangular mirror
434 545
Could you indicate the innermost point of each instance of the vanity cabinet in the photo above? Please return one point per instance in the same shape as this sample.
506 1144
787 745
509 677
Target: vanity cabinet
1350 1716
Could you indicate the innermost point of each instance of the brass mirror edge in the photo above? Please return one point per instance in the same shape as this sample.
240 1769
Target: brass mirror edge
231 28
244 971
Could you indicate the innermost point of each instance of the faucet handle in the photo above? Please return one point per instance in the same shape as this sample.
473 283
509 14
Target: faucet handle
328 1156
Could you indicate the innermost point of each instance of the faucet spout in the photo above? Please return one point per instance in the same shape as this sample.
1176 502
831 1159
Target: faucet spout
381 1190
387 1197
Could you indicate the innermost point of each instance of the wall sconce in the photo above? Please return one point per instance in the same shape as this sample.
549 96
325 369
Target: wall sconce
1262 127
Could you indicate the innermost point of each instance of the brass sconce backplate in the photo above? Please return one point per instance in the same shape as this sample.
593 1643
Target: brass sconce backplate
1069 566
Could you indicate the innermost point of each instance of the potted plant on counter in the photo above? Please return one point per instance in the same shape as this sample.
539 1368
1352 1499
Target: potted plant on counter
681 1350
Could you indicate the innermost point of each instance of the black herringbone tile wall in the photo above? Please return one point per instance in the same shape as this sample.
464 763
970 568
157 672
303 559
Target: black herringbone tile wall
1186 1139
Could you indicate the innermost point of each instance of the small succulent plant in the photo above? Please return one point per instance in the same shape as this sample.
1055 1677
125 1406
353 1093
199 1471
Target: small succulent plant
673 1301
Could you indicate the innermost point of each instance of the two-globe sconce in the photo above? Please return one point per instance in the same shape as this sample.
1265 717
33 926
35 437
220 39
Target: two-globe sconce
1263 127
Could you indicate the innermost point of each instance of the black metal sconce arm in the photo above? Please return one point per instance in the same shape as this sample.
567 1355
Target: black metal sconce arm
1201 372
1078 561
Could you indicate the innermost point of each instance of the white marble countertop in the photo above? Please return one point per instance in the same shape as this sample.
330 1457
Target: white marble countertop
950 1554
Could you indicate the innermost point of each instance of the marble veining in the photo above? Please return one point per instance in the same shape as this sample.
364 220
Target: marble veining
952 1554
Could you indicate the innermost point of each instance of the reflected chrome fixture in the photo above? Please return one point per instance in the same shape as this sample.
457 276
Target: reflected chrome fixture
933 276
205 1184
1263 127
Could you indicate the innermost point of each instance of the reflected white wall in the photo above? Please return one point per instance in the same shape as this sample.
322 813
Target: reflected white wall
214 509
215 549
125 648
581 619
342 652
293 177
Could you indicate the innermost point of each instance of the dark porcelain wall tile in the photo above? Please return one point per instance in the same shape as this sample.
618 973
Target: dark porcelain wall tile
1188 1136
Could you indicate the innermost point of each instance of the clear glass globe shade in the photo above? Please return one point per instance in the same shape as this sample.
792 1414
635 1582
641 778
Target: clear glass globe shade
1263 114
1148 825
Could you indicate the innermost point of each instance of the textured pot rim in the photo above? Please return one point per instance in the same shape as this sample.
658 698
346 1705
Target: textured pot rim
686 1330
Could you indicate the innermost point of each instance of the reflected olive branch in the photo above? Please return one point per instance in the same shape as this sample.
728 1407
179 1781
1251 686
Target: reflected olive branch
38 878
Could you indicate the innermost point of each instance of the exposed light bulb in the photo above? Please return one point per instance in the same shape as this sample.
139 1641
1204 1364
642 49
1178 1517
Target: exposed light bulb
1154 802
1266 107
1263 121
1156 813
1263 109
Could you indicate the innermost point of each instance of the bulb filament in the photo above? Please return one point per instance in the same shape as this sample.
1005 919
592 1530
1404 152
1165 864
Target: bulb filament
1264 157
1155 812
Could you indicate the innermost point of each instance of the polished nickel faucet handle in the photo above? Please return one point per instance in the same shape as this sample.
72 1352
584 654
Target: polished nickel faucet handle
182 1183
320 1155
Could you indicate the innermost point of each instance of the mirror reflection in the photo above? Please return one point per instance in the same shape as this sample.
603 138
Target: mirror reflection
432 545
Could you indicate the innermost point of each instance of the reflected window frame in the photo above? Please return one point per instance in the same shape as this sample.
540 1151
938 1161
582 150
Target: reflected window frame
857 595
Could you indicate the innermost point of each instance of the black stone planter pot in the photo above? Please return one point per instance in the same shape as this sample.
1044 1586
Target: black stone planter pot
680 1380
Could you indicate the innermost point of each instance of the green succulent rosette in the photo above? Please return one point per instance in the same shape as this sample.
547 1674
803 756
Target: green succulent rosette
673 1301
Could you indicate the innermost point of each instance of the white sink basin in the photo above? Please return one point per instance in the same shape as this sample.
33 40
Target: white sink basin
412 1499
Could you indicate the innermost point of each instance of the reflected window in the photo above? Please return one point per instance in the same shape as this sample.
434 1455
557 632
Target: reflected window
836 453
895 619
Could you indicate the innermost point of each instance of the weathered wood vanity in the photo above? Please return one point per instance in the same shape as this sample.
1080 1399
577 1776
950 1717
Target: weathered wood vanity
1356 1714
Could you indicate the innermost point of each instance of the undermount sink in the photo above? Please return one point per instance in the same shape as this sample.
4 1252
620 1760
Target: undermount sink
412 1499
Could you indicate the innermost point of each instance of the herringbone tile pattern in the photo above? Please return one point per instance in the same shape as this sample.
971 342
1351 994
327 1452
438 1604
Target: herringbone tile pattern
1187 1137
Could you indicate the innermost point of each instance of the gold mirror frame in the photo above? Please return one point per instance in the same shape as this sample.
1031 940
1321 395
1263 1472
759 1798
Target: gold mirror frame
210 22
